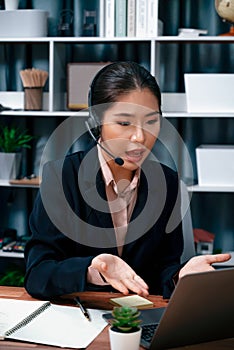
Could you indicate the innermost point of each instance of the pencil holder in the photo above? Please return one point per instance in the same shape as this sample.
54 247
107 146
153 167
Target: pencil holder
33 98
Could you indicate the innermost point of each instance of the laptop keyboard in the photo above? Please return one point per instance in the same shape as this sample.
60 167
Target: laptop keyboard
148 331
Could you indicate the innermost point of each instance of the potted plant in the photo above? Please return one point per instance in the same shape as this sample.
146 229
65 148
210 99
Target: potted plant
125 330
12 140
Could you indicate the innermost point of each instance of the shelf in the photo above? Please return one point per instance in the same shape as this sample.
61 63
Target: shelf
198 188
173 106
11 254
73 39
5 183
93 39
197 115
198 39
85 114
23 113
193 188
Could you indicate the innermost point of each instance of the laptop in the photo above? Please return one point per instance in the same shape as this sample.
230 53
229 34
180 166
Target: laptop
201 309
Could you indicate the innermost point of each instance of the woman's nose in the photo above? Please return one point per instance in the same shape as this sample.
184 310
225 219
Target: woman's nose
138 135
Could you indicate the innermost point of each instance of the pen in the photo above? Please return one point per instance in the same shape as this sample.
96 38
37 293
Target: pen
82 307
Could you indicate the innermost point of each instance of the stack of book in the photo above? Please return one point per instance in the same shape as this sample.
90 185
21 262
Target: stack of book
128 18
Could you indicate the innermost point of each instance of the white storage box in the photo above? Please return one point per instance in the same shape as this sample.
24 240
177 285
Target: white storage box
209 93
215 165
23 23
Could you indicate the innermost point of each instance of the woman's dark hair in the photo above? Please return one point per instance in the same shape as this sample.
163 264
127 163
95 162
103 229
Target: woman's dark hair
120 78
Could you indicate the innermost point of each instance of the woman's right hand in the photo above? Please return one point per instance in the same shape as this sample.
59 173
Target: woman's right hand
119 274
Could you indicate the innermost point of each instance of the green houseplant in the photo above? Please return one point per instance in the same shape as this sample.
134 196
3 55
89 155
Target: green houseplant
125 330
12 140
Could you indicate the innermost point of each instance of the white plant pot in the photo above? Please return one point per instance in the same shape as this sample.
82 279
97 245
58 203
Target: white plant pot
11 4
124 341
9 165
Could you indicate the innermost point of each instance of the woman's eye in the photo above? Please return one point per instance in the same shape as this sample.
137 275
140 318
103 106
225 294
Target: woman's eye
153 121
123 123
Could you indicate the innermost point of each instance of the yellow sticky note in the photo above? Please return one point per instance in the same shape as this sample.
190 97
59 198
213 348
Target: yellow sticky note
132 301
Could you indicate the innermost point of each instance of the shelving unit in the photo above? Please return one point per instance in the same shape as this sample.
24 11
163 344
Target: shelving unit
57 52
57 62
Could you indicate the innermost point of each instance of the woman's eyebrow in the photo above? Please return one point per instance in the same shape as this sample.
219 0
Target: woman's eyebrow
125 114
152 113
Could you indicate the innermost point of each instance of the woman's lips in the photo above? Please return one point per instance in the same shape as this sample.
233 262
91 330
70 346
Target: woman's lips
135 156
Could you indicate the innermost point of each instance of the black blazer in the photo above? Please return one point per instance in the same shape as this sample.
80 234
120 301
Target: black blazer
71 224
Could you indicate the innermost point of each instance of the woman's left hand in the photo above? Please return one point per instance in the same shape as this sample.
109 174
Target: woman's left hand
202 263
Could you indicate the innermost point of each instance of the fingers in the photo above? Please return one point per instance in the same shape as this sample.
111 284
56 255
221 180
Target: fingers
136 288
128 284
222 257
217 258
141 282
119 285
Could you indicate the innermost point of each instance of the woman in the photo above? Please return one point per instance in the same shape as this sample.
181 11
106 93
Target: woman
100 219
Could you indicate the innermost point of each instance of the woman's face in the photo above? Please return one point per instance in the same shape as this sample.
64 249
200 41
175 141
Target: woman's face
131 126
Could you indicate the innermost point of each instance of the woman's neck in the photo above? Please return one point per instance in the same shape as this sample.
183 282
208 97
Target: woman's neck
120 173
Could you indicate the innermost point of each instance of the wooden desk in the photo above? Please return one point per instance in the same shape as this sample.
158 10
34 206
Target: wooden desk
98 300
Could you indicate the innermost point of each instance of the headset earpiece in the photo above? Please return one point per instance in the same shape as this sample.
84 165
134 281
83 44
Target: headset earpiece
94 121
93 124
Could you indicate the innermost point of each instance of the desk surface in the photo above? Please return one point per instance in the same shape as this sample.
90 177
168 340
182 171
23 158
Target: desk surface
99 300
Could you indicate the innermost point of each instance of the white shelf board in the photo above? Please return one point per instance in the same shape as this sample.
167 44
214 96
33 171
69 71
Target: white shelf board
25 39
198 188
11 254
183 114
85 114
198 39
164 38
46 113
73 39
5 183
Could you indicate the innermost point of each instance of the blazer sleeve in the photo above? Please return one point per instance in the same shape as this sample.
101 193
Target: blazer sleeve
53 267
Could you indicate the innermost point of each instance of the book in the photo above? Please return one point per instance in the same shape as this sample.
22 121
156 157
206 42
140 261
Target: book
132 301
120 18
141 18
109 18
152 18
101 19
131 18
50 324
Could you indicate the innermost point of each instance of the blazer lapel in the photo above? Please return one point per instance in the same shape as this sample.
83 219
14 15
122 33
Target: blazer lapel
93 190
150 202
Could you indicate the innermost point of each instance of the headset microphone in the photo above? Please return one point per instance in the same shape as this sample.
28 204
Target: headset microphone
117 160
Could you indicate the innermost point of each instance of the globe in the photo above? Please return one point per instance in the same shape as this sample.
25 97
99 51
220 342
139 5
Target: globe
225 9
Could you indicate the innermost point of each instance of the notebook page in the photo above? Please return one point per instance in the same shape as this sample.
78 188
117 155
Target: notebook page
13 311
63 326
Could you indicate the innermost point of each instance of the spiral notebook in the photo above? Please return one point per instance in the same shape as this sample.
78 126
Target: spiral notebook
46 323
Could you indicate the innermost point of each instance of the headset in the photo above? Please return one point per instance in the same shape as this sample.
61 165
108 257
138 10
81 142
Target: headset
93 124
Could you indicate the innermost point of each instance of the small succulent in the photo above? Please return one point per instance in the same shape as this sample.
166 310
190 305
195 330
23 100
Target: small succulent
125 319
12 139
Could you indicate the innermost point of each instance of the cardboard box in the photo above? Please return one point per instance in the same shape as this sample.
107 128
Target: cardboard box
215 165
80 76
209 93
